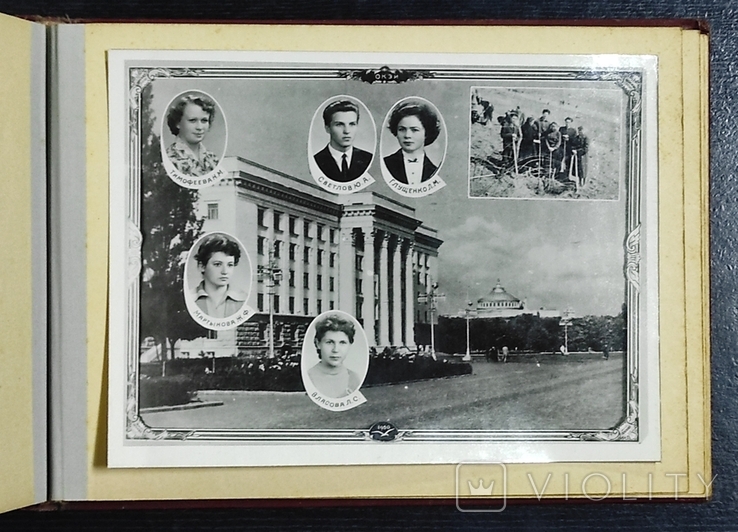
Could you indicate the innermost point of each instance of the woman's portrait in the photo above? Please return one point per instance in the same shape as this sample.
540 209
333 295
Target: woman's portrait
218 273
340 346
190 118
416 126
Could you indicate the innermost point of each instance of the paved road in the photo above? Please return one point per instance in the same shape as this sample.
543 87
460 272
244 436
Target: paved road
584 392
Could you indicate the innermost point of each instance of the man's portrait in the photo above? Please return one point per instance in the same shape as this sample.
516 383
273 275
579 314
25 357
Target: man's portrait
345 122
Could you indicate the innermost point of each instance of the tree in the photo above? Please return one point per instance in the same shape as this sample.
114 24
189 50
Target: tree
170 227
539 339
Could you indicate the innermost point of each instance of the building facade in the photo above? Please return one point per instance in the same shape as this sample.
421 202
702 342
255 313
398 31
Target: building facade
499 303
363 253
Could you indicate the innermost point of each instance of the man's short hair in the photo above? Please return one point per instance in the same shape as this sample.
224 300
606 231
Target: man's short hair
426 115
568 119
176 110
217 242
334 322
545 111
339 106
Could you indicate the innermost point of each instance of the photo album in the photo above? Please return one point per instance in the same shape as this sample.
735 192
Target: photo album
274 268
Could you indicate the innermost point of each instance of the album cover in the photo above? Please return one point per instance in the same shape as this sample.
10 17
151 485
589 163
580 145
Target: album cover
245 265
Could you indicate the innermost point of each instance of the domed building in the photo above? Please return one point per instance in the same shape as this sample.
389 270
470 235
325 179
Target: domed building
499 303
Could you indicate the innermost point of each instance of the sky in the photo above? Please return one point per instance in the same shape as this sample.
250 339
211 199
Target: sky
555 254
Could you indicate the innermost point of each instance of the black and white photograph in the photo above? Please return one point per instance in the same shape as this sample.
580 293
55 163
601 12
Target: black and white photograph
342 143
471 322
334 359
547 143
218 281
414 150
194 137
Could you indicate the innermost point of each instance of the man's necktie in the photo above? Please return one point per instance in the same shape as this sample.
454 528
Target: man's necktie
344 167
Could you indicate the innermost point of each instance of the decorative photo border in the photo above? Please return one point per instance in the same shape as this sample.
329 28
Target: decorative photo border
134 442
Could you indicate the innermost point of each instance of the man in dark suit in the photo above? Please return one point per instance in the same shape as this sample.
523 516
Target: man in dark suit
567 143
540 128
580 148
340 160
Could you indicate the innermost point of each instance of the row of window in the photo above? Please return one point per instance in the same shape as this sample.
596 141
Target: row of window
261 246
320 228
506 304
291 281
293 224
261 303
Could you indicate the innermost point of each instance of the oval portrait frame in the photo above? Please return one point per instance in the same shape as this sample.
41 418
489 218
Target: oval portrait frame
436 151
184 179
317 147
357 360
241 278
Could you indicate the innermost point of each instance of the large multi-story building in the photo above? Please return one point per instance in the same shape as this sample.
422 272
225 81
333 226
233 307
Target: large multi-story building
363 253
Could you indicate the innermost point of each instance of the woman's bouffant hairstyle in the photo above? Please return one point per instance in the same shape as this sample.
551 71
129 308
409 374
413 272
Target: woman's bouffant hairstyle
176 110
425 114
334 322
213 244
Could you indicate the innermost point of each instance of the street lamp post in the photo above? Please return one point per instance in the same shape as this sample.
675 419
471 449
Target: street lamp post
468 313
566 319
272 275
431 297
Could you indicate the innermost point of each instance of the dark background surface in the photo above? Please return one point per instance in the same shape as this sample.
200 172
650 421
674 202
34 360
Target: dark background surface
721 513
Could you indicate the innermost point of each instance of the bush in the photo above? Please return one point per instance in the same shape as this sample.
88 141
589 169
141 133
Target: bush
401 365
280 374
161 391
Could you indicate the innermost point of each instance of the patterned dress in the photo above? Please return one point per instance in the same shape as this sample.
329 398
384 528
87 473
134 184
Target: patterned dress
190 163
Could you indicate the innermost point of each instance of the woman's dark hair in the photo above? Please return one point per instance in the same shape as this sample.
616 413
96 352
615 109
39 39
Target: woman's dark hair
176 110
334 322
425 114
217 242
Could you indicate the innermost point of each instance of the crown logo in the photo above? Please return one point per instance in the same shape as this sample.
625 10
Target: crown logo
481 489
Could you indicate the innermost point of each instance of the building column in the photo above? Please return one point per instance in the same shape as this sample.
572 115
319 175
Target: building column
299 267
325 271
346 273
284 264
368 283
397 292
433 267
312 275
268 254
409 297
384 302
420 270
